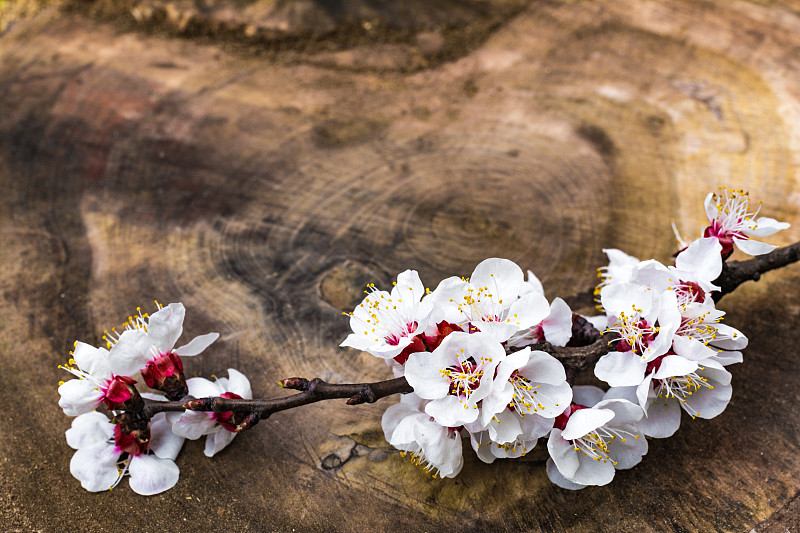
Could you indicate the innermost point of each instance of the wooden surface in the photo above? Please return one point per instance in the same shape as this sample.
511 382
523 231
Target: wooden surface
261 166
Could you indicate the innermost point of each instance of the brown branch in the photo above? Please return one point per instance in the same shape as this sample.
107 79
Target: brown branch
574 358
734 273
313 391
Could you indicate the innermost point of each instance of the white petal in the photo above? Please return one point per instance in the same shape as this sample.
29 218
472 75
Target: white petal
584 421
514 361
708 403
193 425
91 360
503 278
691 348
78 396
441 447
557 327
450 412
483 446
505 428
163 442
165 326
674 365
217 441
621 393
663 418
625 412
552 399
532 284
558 479
711 207
528 311
88 429
703 257
544 368
151 475
239 384
620 369
629 453
587 395
622 297
593 472
562 453
764 227
197 345
95 466
203 388
752 247
131 353
423 374
734 339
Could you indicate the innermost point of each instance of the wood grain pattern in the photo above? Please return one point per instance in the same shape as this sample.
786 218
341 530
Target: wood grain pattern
264 190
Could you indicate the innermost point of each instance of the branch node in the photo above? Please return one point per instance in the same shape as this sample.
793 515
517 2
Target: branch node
365 395
300 384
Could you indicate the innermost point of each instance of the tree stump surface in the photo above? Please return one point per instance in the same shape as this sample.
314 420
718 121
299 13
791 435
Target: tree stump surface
262 161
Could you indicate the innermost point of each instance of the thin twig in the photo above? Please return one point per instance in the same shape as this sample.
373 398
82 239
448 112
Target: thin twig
574 358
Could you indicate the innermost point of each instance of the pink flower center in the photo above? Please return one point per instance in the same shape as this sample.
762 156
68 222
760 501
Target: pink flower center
427 343
394 339
162 367
131 442
118 391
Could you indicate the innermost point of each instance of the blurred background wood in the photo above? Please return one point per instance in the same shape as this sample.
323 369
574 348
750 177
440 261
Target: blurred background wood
262 160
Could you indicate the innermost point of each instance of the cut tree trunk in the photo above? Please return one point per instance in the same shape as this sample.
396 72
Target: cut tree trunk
262 161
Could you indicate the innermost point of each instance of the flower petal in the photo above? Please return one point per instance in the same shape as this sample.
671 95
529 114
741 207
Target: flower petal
764 227
95 466
163 441
165 326
587 395
197 345
239 384
563 453
557 327
555 476
702 257
752 247
217 441
582 422
88 429
78 396
91 360
544 368
131 353
663 418
502 276
151 475
620 369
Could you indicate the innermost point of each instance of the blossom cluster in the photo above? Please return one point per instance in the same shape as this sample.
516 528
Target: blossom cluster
475 351
120 440
468 350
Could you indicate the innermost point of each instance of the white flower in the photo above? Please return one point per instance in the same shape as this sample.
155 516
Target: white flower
646 322
95 384
409 428
619 269
532 384
701 388
732 223
456 376
147 344
385 323
106 452
218 426
588 444
495 299
556 328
